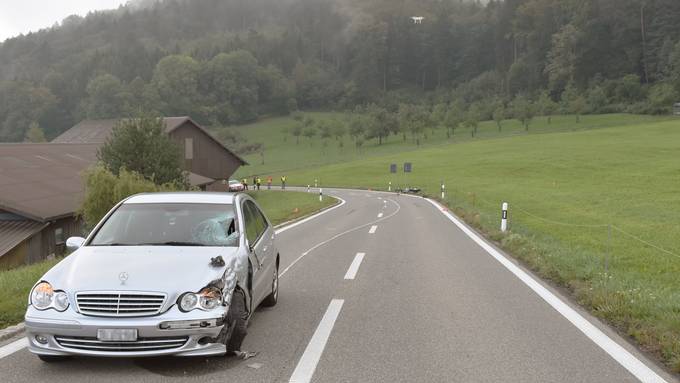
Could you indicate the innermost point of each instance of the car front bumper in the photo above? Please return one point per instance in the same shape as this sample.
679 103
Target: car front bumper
70 333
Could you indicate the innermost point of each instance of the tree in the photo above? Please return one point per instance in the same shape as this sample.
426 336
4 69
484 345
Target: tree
439 113
499 116
176 80
309 132
573 101
104 189
325 130
35 133
662 96
105 98
546 106
141 145
356 127
454 117
296 131
337 129
472 118
523 110
564 56
377 123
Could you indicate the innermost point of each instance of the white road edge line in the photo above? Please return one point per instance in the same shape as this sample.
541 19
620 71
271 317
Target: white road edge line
311 217
13 347
338 236
373 229
615 350
310 358
354 267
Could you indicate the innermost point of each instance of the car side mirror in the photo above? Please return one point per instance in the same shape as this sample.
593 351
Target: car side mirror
74 243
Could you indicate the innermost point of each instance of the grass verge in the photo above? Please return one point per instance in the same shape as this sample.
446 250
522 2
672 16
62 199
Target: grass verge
15 284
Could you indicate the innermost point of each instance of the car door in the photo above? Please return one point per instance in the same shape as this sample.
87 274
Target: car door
268 258
257 249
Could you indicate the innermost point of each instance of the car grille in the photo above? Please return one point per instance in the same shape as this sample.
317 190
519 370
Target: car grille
141 344
119 304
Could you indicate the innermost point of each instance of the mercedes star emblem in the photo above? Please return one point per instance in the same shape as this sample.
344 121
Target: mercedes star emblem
123 277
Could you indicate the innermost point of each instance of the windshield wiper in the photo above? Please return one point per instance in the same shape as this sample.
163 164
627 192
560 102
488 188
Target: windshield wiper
174 243
115 244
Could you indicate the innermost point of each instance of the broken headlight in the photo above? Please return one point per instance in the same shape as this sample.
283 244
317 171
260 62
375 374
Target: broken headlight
206 299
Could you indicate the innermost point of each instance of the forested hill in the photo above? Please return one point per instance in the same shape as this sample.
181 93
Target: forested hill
230 61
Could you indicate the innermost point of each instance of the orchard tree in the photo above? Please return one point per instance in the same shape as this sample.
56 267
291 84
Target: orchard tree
523 110
573 101
356 128
309 132
546 106
377 123
499 115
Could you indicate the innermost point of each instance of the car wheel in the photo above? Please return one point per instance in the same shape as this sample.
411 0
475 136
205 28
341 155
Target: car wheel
272 298
52 358
237 319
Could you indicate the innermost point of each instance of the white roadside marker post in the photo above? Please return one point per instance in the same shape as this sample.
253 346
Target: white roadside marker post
320 195
504 218
308 186
389 187
443 190
316 183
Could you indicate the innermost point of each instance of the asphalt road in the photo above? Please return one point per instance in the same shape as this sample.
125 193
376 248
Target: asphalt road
387 289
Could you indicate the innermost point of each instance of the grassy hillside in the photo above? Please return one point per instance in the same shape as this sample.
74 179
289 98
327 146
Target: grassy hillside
565 190
282 154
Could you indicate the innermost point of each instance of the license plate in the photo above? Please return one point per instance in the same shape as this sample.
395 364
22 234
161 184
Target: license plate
117 335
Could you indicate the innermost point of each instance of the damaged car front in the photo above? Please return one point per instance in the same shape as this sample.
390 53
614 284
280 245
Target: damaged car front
155 277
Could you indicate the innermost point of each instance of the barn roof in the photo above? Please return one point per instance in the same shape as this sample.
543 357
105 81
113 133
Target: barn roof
97 131
43 181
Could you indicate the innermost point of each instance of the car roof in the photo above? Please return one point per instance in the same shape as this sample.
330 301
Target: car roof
183 197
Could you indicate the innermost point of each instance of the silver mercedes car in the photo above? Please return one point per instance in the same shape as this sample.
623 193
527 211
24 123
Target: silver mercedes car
161 274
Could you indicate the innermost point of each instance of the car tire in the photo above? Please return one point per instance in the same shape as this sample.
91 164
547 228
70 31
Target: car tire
273 298
51 358
237 320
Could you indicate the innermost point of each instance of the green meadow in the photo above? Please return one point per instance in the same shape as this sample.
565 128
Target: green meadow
594 206
282 152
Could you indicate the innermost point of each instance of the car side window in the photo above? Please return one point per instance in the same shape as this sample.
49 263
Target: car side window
262 221
250 222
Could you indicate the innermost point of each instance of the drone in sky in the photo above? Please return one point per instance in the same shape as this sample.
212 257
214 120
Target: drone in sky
417 19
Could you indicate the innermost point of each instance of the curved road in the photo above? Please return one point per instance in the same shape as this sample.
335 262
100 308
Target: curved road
387 288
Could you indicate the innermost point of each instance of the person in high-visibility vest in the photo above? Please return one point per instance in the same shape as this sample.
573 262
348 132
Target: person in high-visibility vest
258 182
283 182
269 183
245 183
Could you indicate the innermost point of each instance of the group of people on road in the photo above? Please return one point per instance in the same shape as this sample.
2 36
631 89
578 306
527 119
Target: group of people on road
257 182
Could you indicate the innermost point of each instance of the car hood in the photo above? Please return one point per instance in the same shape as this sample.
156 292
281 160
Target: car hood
167 269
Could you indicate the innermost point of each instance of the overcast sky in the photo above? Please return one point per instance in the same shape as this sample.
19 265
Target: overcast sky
22 16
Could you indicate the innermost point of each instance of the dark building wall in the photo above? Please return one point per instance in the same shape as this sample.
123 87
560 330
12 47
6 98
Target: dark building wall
53 238
202 155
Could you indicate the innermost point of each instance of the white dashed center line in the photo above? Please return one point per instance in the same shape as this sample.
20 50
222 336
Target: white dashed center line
305 368
380 215
373 229
354 267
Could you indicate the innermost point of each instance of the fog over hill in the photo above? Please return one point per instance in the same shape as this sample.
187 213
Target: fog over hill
231 61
